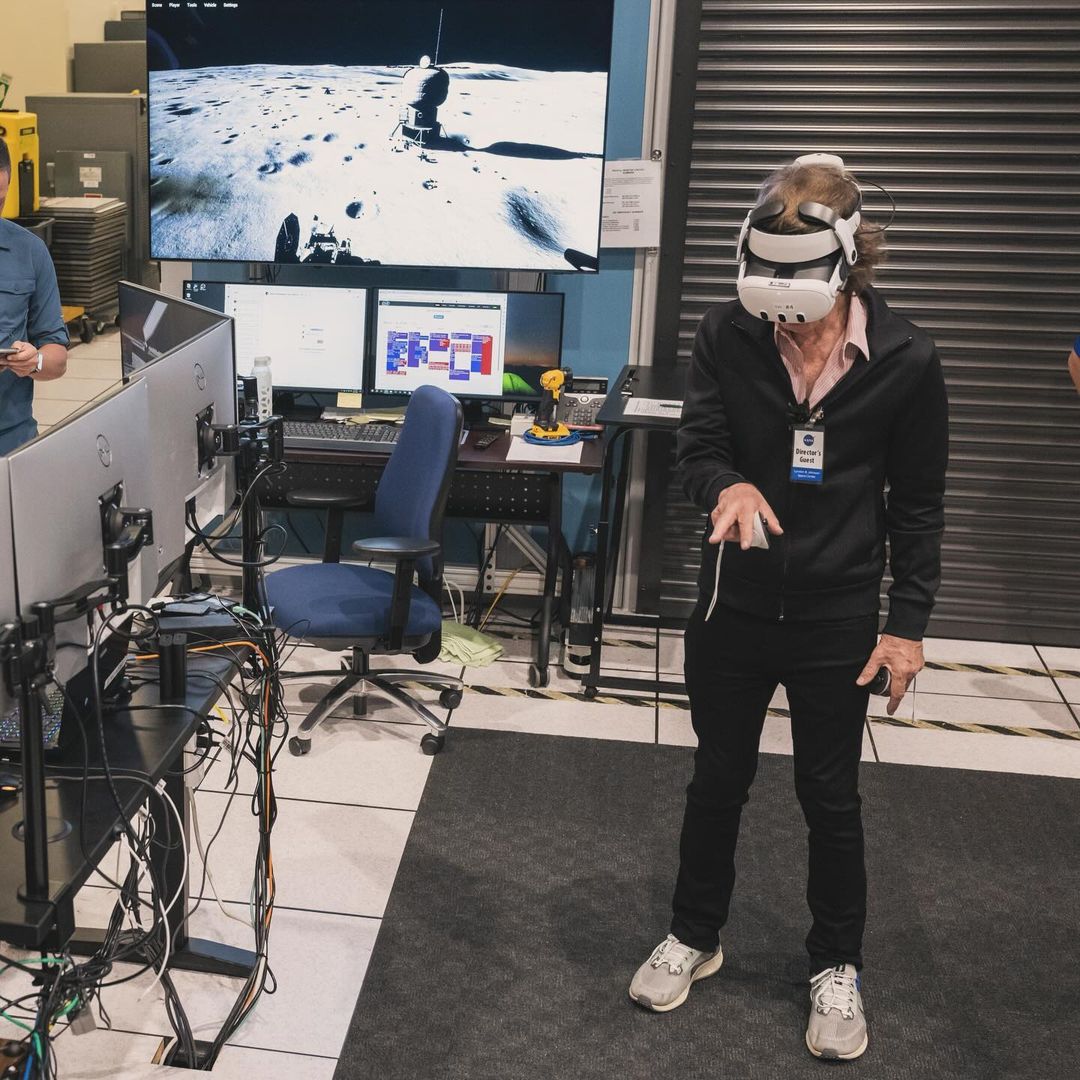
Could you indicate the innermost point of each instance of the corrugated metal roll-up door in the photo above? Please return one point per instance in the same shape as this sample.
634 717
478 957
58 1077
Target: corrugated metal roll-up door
969 113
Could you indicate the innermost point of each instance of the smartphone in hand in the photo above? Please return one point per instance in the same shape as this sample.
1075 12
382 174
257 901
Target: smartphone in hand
760 538
5 353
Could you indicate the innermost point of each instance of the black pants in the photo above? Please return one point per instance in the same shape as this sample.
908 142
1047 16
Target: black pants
734 663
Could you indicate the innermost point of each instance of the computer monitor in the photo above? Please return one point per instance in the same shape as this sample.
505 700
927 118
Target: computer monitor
490 345
194 383
9 607
447 133
59 484
314 336
153 324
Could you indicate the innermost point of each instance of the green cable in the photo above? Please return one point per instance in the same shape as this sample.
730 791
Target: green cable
67 1008
17 1023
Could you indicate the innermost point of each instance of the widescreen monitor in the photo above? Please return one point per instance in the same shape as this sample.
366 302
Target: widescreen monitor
153 324
195 382
487 345
58 483
442 133
314 336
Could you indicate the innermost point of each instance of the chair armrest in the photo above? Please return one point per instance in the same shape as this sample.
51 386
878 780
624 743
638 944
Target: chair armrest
315 499
397 547
404 550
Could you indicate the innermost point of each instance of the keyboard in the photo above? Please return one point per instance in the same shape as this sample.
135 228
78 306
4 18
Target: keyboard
324 434
52 715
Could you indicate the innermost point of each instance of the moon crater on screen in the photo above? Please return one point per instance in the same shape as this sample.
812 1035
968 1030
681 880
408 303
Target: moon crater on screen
511 177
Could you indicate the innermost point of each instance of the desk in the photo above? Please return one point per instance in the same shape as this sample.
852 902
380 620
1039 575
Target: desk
149 742
656 384
485 487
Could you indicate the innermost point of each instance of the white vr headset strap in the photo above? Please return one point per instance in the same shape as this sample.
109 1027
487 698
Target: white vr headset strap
716 583
740 249
845 229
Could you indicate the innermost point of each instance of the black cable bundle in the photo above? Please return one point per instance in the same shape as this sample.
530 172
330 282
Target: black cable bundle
67 989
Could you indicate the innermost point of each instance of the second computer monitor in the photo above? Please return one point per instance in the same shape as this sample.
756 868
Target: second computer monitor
487 345
60 483
195 381
153 324
314 336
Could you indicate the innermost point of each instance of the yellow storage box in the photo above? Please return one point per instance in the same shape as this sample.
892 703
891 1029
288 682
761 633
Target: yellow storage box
20 131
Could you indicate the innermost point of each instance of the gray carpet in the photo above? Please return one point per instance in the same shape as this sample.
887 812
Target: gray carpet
538 876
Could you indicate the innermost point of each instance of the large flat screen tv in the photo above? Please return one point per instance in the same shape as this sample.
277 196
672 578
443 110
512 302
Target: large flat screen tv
435 133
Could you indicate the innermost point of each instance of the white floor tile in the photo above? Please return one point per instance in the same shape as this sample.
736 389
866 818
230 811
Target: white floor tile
1060 659
994 712
970 684
370 763
1070 688
629 648
102 1054
591 720
319 961
47 411
990 753
670 652
104 346
508 674
326 857
243 1063
954 651
73 388
86 366
518 644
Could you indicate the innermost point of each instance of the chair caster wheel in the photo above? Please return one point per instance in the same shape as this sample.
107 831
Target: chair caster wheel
590 692
299 747
450 699
538 677
432 744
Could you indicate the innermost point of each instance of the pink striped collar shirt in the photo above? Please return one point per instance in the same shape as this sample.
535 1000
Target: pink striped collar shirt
851 345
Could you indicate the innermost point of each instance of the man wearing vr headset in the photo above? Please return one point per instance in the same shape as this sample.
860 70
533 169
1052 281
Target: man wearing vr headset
805 400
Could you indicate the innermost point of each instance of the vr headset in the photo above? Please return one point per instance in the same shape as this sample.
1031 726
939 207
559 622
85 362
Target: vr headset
795 277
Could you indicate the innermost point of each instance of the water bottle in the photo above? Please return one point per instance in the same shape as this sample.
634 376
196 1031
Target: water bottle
264 386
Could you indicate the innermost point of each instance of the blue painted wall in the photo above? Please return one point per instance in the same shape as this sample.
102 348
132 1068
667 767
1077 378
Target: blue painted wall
596 338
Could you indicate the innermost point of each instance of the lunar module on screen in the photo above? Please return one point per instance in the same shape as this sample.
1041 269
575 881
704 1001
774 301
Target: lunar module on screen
423 89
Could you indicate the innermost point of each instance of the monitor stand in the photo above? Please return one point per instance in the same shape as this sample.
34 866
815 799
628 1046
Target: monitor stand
477 413
300 405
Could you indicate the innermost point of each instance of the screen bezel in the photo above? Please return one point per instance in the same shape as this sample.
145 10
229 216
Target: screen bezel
390 395
286 387
533 269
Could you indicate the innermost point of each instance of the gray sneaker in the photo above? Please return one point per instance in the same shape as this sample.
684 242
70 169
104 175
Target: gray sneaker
663 982
837 1027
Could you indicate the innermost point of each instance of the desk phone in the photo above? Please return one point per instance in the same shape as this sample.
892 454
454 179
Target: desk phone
578 407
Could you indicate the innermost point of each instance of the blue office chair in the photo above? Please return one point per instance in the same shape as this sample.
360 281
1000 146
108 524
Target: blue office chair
375 612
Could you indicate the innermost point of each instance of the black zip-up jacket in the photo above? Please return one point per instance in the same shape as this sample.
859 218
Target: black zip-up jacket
886 425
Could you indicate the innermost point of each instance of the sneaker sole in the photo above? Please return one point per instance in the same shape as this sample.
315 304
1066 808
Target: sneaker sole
838 1057
710 967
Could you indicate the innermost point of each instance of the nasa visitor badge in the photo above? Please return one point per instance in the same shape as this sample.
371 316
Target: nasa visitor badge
808 455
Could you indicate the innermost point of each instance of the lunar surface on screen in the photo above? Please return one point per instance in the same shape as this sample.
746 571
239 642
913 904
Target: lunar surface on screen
248 162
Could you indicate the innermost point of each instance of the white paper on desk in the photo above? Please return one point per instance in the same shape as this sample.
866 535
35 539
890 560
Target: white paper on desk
636 406
632 204
520 450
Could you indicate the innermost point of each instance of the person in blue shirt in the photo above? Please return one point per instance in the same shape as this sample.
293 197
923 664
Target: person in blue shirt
30 322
